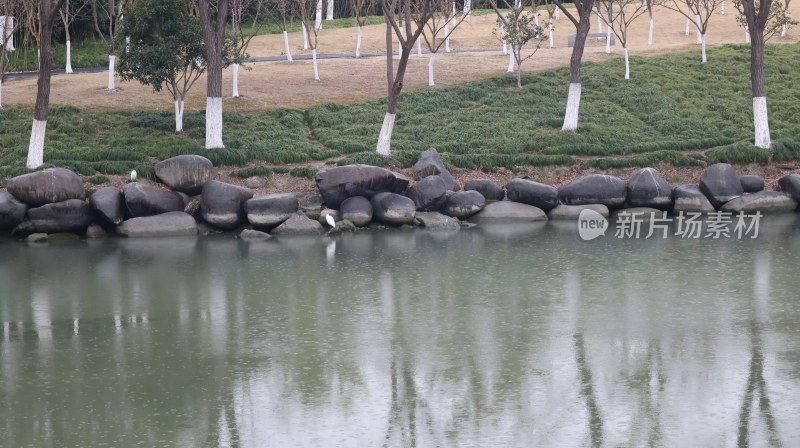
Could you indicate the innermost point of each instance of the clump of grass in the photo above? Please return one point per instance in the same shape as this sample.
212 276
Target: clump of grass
99 180
306 172
252 171
738 153
648 159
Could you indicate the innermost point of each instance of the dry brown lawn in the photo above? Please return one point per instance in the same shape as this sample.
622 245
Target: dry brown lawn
290 84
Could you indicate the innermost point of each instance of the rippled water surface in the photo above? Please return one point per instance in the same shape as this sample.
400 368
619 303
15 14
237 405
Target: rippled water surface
506 337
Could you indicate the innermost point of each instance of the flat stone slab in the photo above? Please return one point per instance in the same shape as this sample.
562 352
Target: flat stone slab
165 224
763 201
508 212
438 221
572 212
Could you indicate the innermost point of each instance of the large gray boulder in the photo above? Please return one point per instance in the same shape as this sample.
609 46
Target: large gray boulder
12 211
108 205
594 189
357 210
762 201
337 184
790 185
165 224
146 200
647 188
430 164
464 204
508 212
532 193
47 186
751 183
311 206
429 193
221 204
298 224
573 212
393 209
486 187
70 216
185 173
437 221
270 210
720 184
689 199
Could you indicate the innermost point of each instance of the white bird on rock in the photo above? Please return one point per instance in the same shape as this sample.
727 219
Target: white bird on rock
133 176
331 222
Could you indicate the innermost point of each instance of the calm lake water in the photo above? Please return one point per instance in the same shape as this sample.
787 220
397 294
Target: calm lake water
506 337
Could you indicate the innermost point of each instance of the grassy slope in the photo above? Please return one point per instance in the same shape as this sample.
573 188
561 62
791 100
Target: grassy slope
673 107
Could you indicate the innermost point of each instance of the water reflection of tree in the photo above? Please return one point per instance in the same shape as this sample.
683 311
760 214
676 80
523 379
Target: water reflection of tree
756 386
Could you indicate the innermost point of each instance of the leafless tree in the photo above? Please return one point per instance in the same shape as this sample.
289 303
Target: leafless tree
551 9
583 8
699 12
436 31
785 26
71 10
283 13
620 14
518 28
47 12
414 15
361 10
254 11
213 20
107 15
305 10
649 4
11 18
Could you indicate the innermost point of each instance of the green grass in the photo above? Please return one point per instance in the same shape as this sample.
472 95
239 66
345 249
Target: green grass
674 111
85 54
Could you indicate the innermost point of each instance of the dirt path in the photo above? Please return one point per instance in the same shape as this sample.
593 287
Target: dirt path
284 84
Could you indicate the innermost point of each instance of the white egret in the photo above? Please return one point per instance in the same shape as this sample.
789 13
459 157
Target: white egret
331 222
133 176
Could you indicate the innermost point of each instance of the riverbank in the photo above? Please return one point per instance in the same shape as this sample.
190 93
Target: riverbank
190 200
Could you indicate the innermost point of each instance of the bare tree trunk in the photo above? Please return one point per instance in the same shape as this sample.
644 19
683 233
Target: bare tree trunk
762 137
314 59
42 108
431 83
235 81
318 16
510 68
574 97
395 86
286 44
213 34
329 13
550 33
703 43
699 32
179 105
358 42
112 59
305 37
650 32
627 64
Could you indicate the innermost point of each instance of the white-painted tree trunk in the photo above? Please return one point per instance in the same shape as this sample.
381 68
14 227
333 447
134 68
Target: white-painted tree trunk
69 58
36 145
314 59
419 47
703 43
127 44
688 21
503 38
111 61
783 30
699 38
318 16
558 14
329 13
627 64
286 45
358 41
511 60
650 33
430 70
599 24
385 138
746 34
179 105
400 45
236 80
550 32
573 104
608 39
305 37
38 58
214 123
467 8
723 7
1 93
447 36
761 122
536 18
